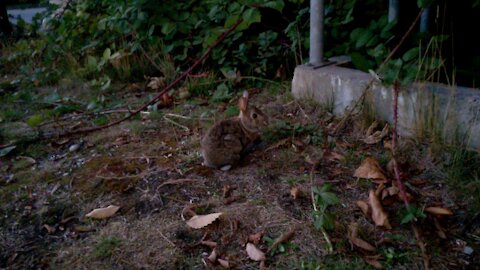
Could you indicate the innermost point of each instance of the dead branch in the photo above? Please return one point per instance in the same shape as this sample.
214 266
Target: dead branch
284 237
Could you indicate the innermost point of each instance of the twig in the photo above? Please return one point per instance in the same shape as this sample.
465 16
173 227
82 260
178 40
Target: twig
165 90
421 245
176 124
166 239
284 237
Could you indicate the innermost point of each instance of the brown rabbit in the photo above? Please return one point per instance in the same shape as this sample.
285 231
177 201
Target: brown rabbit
227 141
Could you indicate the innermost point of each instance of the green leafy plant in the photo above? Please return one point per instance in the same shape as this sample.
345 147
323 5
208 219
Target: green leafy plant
412 214
323 198
106 246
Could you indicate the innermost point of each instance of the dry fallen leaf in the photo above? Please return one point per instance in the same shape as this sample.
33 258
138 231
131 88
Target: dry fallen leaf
224 263
209 244
50 229
254 253
364 207
255 238
332 156
390 191
379 215
377 136
103 213
440 230
156 83
370 169
355 240
213 256
200 221
387 144
373 261
295 192
439 211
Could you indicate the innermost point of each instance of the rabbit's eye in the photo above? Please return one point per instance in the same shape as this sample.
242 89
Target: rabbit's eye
254 115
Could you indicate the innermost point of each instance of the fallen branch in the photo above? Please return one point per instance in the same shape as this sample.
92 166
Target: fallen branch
284 237
159 95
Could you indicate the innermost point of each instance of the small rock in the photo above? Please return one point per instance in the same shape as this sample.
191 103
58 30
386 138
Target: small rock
468 250
74 147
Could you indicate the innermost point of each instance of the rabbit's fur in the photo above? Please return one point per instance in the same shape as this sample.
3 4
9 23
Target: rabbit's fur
226 142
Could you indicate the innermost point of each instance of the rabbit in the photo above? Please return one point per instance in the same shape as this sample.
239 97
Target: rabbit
227 141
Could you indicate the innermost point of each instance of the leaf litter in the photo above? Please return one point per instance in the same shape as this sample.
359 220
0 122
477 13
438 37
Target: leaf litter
267 187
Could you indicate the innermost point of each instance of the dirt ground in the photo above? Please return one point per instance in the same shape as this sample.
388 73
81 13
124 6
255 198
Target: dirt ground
150 167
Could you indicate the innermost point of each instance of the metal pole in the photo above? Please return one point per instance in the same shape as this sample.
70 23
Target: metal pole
393 11
424 20
316 32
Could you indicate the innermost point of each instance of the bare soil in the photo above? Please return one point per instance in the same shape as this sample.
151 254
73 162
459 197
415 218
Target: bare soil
43 204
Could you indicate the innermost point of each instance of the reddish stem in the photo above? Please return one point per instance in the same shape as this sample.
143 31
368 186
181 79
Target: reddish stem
401 186
165 90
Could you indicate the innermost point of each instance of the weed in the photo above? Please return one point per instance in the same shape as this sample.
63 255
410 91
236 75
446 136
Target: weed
323 199
463 171
335 262
393 257
101 120
106 246
412 214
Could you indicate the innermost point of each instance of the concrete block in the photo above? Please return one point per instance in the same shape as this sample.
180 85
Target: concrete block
453 113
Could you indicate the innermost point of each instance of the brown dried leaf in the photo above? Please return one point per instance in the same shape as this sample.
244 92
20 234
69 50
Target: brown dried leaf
156 83
352 235
370 169
295 192
209 244
103 213
440 231
373 261
377 136
50 229
254 253
363 205
379 215
224 263
390 191
213 256
227 190
387 144
255 238
332 156
439 211
200 221
371 128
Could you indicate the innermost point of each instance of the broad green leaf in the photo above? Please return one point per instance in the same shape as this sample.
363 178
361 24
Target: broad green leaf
251 15
329 198
168 28
277 5
360 61
231 21
35 120
411 54
106 54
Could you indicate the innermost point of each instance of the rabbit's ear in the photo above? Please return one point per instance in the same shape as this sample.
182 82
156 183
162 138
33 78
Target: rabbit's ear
242 104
